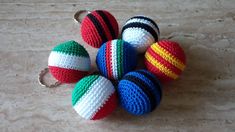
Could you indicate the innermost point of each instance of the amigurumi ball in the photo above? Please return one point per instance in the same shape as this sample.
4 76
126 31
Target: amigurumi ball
115 58
140 32
98 27
165 59
139 92
94 97
69 62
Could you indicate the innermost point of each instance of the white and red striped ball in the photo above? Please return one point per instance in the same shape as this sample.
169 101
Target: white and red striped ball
69 62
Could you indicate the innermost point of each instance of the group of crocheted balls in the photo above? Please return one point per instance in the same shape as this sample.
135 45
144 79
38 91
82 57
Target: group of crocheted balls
138 91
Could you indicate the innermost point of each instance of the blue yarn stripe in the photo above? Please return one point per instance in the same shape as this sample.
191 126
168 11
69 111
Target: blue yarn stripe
143 86
100 60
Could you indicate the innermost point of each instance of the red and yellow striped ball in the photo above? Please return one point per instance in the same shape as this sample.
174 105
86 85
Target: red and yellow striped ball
166 60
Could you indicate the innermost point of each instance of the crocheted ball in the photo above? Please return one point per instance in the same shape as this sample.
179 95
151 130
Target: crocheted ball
165 59
115 58
69 62
140 32
98 27
94 97
139 92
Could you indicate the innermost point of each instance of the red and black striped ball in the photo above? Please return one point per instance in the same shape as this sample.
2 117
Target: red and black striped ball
98 27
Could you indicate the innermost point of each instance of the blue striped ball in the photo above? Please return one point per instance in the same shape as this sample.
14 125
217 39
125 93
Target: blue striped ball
139 92
115 58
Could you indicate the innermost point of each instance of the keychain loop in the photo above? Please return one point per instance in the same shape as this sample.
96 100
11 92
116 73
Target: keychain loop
42 82
78 14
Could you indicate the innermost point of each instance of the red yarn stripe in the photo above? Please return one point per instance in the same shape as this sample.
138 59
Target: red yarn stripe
113 22
159 74
91 37
67 75
108 59
104 26
164 62
107 108
173 48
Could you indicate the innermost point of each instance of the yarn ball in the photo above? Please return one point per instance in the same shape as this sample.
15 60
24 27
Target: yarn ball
140 32
115 58
140 92
94 97
98 27
166 60
69 62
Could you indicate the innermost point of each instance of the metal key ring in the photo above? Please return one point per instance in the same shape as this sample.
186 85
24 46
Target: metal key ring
78 14
41 80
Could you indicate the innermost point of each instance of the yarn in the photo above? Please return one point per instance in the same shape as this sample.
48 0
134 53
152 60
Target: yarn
94 97
115 58
165 59
139 92
69 62
140 32
98 27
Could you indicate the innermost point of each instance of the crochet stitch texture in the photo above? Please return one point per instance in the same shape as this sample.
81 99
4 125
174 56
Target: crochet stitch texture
139 92
69 62
140 32
94 97
98 27
165 59
115 58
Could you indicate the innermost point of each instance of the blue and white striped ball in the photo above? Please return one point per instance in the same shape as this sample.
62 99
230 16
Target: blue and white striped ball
140 32
140 92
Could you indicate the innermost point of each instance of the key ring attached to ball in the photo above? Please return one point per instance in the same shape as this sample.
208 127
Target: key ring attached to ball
77 15
77 19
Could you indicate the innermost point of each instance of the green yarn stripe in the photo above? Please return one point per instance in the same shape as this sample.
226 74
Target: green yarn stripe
71 48
82 87
119 67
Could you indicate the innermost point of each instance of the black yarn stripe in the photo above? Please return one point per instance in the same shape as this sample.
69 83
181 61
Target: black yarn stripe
152 79
143 26
148 19
98 26
107 22
144 87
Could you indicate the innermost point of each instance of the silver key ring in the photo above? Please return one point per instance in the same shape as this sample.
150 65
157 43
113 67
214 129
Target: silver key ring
77 15
42 82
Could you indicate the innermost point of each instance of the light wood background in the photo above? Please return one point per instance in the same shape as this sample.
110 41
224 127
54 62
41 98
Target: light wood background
203 99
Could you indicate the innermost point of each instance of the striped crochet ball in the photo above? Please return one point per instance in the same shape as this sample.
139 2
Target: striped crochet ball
140 32
94 97
140 92
115 58
98 27
165 59
69 62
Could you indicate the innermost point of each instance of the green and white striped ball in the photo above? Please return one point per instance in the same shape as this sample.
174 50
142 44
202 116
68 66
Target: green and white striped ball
69 62
94 97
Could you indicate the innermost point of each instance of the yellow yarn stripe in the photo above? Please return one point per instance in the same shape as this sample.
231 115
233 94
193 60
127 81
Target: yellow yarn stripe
167 56
161 67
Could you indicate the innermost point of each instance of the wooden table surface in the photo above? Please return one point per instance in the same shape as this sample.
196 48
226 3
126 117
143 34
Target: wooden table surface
202 99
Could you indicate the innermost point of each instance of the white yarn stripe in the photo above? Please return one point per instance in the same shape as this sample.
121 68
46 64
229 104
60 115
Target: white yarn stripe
93 100
138 38
138 20
62 60
114 59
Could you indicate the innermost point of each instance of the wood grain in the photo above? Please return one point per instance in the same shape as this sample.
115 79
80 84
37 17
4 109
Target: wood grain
203 99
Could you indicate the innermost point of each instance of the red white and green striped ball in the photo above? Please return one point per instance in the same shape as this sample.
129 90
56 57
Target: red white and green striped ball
94 97
115 58
69 62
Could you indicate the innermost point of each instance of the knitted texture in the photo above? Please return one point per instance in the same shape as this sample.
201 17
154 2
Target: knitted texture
115 58
139 92
69 62
99 27
140 32
94 97
165 59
